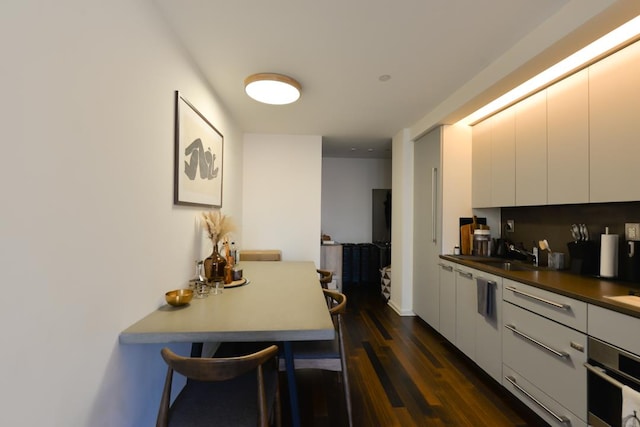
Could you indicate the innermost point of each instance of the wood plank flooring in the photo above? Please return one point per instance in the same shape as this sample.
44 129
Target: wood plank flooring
403 373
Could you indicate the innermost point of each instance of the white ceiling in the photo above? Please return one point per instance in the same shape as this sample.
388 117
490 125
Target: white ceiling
338 49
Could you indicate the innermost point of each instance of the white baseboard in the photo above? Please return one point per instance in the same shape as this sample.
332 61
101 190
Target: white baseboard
400 311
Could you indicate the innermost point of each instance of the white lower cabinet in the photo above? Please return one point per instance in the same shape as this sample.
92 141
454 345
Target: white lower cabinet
447 310
546 358
489 332
465 311
535 345
476 335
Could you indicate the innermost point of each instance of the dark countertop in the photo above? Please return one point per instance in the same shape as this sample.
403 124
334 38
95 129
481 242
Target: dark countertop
584 288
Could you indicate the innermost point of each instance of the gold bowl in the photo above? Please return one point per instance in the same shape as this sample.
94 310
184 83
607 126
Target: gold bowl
179 297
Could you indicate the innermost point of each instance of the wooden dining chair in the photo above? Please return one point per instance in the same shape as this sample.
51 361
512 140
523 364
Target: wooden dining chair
326 277
326 355
233 391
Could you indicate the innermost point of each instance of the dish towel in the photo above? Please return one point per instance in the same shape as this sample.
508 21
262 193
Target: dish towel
630 405
486 297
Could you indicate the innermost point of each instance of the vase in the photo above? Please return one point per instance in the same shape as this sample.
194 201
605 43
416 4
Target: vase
214 265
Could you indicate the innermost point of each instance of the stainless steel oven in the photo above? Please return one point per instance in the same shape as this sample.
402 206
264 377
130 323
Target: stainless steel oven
608 369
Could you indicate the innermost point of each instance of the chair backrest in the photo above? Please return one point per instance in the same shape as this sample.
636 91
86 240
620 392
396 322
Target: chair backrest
326 277
215 369
336 301
260 255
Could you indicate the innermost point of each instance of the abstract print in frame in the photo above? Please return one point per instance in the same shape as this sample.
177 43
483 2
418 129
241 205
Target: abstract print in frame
198 158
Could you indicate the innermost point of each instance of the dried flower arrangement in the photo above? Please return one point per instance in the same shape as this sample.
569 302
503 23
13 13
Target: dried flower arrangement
217 225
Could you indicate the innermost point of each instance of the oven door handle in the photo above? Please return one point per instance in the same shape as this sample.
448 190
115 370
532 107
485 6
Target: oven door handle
602 374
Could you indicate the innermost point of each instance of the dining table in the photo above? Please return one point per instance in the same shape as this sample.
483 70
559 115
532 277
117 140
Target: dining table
280 301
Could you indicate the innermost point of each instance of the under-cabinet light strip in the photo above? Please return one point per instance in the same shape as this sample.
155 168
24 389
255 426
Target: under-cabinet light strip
609 41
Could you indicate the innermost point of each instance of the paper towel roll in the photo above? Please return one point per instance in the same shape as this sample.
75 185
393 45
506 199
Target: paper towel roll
609 255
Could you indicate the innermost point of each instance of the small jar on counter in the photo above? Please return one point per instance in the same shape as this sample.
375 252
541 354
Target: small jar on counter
482 242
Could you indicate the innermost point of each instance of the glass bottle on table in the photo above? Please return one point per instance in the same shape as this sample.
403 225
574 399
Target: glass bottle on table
234 252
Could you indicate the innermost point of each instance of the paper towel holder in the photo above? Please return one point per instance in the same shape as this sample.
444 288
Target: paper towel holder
608 254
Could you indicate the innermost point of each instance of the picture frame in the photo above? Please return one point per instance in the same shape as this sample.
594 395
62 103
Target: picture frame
198 168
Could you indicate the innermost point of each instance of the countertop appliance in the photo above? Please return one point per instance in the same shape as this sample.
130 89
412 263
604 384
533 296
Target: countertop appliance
608 369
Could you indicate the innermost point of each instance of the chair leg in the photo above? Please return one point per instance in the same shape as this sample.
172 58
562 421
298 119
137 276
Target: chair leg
278 408
347 392
345 373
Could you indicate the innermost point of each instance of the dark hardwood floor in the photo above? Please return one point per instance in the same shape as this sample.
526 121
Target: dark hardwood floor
403 373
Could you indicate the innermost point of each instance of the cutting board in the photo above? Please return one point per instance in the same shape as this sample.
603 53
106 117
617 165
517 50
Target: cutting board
466 239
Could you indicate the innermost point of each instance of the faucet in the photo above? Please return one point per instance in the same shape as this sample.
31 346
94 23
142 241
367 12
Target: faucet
526 254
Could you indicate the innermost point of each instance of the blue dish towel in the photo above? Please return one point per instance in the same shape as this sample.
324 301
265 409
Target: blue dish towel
486 297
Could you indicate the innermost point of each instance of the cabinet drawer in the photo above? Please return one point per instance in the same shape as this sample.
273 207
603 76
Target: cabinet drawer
547 354
614 328
550 410
559 308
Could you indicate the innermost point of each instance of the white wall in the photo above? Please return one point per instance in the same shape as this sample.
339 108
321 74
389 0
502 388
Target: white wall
89 236
281 200
402 225
347 186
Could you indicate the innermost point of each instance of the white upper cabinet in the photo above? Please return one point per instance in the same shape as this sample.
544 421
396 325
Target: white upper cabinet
614 126
578 141
494 160
481 165
568 140
503 158
531 150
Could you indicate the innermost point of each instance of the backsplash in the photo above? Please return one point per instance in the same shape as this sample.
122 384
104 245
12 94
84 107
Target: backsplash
534 223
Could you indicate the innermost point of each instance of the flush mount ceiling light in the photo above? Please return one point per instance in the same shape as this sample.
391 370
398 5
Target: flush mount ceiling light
272 88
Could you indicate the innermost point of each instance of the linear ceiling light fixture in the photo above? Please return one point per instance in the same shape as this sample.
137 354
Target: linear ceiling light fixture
609 41
272 88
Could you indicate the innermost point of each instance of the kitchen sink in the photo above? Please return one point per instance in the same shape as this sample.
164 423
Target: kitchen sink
510 266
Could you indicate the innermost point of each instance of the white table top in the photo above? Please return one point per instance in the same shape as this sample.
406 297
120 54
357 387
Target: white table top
283 301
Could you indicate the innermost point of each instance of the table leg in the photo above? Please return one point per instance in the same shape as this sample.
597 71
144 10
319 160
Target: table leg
291 383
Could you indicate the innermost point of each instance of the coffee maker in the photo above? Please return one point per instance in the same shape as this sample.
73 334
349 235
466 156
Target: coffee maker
631 256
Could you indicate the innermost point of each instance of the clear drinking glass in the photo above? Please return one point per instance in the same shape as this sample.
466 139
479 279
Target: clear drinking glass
201 289
217 287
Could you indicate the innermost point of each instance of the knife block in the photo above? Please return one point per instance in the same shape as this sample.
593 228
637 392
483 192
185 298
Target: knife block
585 257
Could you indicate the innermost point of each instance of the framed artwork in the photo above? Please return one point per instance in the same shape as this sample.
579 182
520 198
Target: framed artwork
198 158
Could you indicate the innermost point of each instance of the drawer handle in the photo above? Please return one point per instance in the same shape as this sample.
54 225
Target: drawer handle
561 418
560 354
465 274
445 266
537 298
